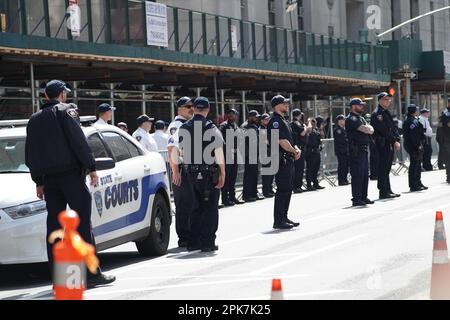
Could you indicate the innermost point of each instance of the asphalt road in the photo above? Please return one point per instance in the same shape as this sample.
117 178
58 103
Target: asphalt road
383 251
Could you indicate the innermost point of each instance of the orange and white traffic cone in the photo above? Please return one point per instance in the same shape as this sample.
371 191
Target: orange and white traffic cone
71 256
440 272
277 291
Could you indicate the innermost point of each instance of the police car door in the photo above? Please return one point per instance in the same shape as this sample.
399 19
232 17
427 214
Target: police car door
122 197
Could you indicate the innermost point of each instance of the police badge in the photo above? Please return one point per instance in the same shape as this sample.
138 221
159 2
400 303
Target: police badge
98 202
172 131
139 138
380 117
276 125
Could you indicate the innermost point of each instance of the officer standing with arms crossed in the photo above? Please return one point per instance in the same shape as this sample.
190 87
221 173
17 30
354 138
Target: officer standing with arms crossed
414 136
202 147
341 150
59 158
444 125
300 132
359 136
387 140
231 168
288 153
180 184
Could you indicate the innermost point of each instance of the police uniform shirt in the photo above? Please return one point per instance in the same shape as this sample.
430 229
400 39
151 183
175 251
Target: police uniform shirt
340 140
413 134
297 129
145 140
314 139
279 123
161 138
173 131
100 122
384 126
226 125
352 124
426 124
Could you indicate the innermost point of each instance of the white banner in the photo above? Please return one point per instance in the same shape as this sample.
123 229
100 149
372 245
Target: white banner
157 32
234 42
74 19
447 61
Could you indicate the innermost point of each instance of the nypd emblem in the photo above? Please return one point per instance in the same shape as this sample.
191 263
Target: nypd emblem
98 202
173 130
276 125
139 138
412 127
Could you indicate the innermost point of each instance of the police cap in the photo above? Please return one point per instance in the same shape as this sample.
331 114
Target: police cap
264 116
296 112
122 124
159 125
55 87
383 95
232 111
104 107
357 102
201 103
340 117
183 101
424 110
253 113
279 100
412 109
144 118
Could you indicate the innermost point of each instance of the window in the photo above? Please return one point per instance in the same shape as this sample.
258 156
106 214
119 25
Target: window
134 151
117 145
97 146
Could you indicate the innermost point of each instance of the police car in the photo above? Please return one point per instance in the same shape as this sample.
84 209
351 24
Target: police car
130 203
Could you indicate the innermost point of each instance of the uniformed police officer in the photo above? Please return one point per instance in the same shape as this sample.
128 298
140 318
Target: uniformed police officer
414 140
105 113
202 147
341 150
181 188
288 153
387 139
373 155
123 126
359 135
142 134
250 188
59 158
160 136
231 161
267 180
300 132
444 125
312 156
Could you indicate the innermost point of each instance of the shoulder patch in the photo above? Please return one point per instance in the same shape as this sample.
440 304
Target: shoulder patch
139 138
380 117
276 125
354 118
73 113
339 131
413 126
171 140
173 130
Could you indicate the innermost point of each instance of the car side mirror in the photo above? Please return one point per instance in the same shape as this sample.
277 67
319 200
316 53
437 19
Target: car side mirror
104 164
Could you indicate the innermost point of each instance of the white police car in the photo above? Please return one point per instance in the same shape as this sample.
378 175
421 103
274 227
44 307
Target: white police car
130 203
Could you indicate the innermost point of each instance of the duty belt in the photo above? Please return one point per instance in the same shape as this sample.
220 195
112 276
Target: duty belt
194 168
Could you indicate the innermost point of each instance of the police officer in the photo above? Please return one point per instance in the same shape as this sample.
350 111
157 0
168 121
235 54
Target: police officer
373 155
300 132
250 189
414 140
387 139
288 153
428 149
441 146
267 180
341 150
358 133
160 136
181 188
105 113
206 174
142 133
59 158
312 156
231 161
445 138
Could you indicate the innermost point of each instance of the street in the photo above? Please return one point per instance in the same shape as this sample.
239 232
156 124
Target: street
380 252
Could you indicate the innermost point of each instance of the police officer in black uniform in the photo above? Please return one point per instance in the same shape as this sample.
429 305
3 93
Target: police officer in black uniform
250 188
206 174
59 157
267 180
288 153
359 135
444 138
387 139
300 133
231 160
341 150
312 156
414 140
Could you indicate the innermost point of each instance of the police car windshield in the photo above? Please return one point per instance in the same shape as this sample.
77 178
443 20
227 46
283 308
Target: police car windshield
12 156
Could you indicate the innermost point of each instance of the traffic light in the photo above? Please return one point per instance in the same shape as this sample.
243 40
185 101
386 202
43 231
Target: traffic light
392 91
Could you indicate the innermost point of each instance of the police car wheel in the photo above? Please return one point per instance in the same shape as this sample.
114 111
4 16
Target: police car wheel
157 241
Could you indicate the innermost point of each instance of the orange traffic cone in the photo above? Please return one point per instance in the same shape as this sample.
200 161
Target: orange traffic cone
71 256
277 291
440 272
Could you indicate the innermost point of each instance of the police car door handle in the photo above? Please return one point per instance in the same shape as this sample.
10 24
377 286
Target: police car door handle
147 168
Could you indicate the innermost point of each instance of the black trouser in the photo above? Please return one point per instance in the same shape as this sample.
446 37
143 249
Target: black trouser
68 189
385 158
446 155
441 156
427 152
205 213
299 171
415 170
250 189
373 160
228 190
359 169
267 182
343 168
283 179
182 198
312 167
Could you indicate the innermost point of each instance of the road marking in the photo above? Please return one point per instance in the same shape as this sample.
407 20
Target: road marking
309 254
303 294
428 211
244 275
198 284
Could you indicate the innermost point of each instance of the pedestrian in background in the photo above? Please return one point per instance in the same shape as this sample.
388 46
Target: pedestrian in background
427 148
341 150
160 136
312 156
